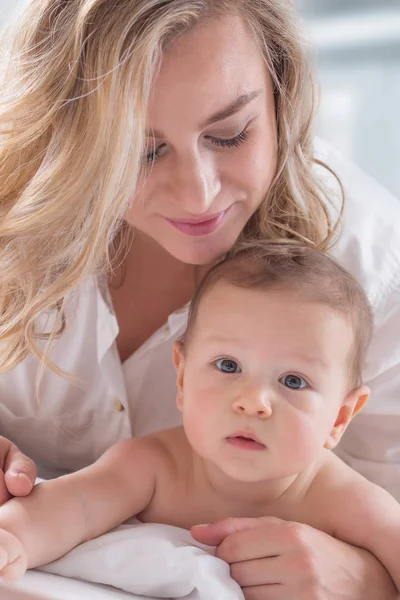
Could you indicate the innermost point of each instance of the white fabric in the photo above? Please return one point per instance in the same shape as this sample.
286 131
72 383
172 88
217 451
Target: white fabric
69 427
45 586
370 249
150 560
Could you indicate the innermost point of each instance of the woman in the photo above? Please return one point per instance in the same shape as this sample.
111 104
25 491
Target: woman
187 122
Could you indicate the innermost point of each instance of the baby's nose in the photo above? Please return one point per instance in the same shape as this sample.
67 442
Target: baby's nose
253 402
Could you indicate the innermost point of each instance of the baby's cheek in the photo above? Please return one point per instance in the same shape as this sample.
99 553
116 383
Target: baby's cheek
199 422
302 441
194 421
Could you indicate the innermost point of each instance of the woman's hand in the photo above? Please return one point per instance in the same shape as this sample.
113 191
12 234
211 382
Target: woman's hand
17 472
273 559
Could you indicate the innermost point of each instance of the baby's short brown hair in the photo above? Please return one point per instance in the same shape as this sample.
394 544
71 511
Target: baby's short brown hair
311 274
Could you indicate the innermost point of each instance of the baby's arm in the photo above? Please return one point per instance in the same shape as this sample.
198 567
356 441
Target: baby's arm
61 514
367 516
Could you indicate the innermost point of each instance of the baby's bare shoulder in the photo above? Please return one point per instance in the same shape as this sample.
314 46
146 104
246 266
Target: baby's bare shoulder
169 440
154 449
333 474
329 476
332 478
339 496
170 446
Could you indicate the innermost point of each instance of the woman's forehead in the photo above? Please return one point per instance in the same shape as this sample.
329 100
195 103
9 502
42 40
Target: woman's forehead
207 69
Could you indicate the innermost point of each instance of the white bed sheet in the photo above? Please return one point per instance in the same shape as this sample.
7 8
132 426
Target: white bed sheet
55 587
135 560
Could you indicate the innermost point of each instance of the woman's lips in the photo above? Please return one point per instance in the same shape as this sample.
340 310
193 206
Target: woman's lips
199 227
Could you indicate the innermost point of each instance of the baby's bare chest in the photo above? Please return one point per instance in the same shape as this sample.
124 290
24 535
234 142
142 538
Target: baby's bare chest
177 505
184 498
184 506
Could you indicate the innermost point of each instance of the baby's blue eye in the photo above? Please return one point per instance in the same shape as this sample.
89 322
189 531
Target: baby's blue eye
227 365
294 382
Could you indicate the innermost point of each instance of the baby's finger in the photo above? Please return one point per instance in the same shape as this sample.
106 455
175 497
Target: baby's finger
14 570
3 559
13 559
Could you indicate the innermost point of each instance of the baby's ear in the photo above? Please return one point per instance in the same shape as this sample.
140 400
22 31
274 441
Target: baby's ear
351 405
178 357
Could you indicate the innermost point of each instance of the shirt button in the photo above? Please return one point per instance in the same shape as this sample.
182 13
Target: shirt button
118 405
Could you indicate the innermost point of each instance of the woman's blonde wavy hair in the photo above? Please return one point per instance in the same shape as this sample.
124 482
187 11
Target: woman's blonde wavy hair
75 87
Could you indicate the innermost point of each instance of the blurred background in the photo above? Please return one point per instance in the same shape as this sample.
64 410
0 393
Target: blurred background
358 58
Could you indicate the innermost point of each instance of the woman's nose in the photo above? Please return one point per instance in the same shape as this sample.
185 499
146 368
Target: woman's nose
255 402
195 185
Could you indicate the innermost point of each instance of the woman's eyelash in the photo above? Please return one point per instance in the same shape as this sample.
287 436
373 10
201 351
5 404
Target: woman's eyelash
229 143
232 142
153 155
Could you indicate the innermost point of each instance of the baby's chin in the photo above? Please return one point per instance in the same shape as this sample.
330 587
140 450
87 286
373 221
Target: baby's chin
259 476
231 472
245 476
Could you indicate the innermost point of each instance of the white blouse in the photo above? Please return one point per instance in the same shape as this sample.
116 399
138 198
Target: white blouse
69 425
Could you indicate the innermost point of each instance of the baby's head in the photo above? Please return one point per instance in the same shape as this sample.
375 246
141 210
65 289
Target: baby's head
274 348
307 276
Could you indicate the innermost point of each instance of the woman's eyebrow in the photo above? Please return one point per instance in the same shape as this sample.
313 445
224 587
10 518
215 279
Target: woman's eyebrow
232 108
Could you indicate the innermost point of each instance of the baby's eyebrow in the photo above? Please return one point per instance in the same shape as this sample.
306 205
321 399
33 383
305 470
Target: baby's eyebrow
311 359
220 339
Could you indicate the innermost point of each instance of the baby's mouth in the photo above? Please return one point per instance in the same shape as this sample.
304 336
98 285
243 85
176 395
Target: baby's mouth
245 441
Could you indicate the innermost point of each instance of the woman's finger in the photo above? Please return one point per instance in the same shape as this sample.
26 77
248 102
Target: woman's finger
18 483
264 571
266 592
19 472
4 493
213 534
271 538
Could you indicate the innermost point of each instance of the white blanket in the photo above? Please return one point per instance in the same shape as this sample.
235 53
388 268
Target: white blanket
155 561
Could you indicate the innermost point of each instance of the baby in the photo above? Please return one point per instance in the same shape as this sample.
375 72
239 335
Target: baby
268 379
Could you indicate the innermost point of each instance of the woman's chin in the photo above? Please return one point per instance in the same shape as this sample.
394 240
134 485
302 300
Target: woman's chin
205 251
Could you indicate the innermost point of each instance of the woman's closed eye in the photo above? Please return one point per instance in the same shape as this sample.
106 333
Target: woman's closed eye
294 382
233 142
227 365
153 155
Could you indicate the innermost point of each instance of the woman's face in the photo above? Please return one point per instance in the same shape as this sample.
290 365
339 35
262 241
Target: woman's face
212 136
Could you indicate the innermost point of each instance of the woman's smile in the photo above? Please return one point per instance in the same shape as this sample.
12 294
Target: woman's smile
203 226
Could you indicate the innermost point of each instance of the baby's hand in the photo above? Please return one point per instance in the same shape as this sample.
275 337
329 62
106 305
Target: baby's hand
13 559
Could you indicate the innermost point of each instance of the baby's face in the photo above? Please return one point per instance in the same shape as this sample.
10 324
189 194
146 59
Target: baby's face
263 378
